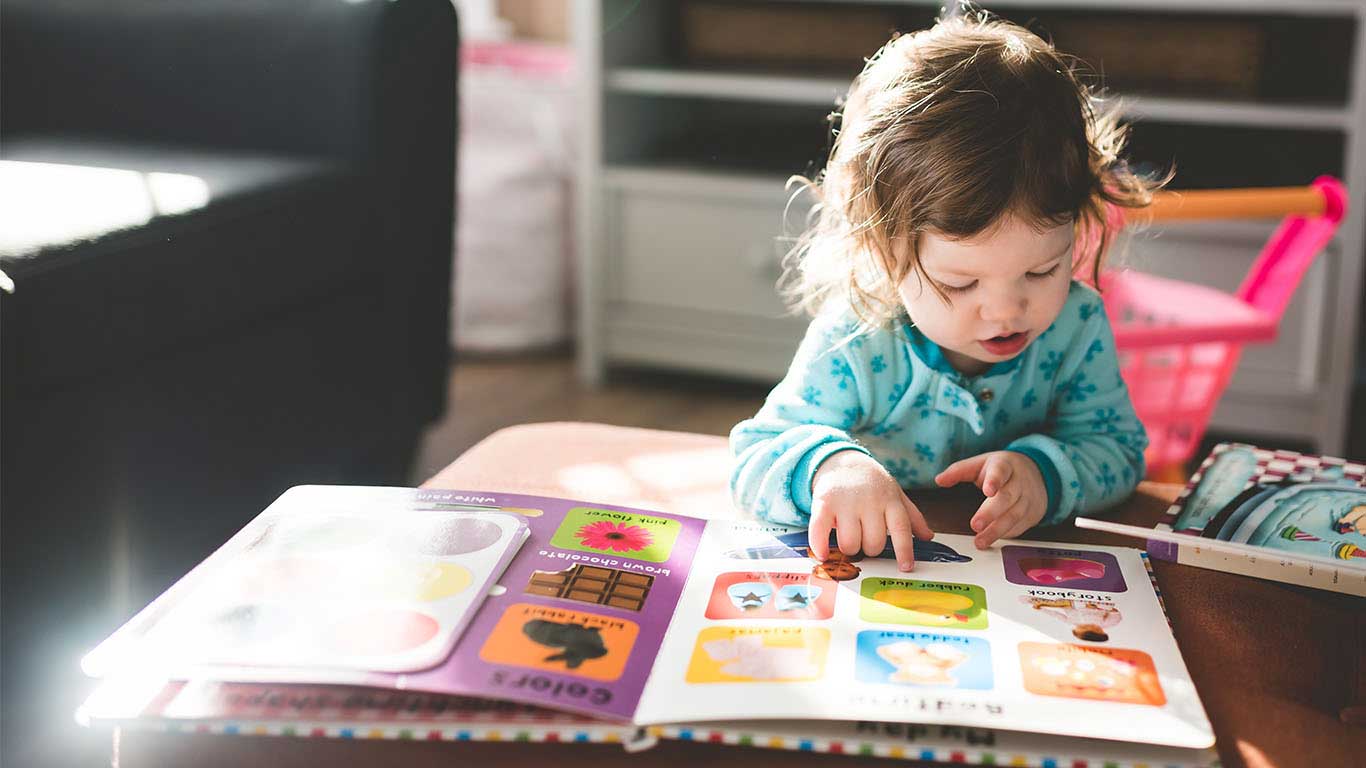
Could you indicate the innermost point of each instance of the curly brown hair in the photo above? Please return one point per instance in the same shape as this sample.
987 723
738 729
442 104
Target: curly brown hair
946 131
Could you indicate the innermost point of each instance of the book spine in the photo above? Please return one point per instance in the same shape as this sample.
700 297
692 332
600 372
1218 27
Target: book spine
1346 580
1164 550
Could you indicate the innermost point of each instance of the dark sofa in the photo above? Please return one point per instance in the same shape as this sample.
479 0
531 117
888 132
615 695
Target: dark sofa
228 225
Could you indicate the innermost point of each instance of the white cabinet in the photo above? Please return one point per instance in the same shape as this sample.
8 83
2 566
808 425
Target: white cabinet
683 204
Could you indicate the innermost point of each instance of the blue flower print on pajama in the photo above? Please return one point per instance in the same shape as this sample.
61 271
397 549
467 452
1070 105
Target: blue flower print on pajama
1061 402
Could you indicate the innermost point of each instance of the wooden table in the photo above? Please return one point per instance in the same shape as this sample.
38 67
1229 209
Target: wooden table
1275 665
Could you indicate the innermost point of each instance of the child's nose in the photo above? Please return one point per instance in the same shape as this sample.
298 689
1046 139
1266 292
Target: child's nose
1004 309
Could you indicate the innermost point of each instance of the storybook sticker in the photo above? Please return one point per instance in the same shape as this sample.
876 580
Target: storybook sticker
556 640
626 534
758 655
923 659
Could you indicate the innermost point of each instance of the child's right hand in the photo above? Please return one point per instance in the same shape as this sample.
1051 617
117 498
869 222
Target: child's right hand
854 495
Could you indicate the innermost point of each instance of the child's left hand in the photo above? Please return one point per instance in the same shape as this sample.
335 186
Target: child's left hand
1016 496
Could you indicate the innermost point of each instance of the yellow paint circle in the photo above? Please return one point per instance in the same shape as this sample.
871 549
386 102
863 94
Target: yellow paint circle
437 581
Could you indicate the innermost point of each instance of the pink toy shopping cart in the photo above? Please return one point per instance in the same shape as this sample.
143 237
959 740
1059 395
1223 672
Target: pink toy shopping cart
1178 343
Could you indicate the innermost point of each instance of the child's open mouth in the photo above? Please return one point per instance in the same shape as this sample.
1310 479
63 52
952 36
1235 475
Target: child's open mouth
1006 345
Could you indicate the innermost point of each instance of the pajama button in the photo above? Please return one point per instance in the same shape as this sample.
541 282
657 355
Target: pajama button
986 395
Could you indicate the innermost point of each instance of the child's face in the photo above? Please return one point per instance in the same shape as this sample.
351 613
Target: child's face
1004 288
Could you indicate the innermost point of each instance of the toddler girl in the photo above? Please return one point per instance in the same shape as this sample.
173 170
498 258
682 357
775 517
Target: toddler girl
950 343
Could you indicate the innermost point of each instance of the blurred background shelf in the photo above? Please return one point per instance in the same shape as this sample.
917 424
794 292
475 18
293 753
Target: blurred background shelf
822 91
696 113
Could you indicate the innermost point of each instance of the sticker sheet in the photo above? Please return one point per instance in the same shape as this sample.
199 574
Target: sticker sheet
1047 638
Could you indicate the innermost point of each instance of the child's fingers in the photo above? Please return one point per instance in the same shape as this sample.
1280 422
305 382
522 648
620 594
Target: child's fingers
849 531
1021 525
991 509
1004 523
997 474
919 527
818 529
875 531
965 471
901 527
994 505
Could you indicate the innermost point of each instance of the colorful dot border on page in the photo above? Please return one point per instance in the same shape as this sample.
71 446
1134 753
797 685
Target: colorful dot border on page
627 535
1091 673
923 665
914 602
513 641
1062 568
759 654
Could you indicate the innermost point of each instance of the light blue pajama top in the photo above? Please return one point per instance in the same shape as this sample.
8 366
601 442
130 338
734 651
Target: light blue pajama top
893 395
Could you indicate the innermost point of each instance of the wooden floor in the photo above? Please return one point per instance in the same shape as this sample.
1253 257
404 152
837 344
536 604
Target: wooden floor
488 393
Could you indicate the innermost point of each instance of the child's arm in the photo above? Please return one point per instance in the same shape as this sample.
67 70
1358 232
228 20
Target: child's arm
1091 455
784 470
806 419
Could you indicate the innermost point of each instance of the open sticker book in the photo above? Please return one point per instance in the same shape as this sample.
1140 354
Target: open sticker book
651 619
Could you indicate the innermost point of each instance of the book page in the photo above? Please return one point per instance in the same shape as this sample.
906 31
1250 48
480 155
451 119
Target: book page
395 588
1026 636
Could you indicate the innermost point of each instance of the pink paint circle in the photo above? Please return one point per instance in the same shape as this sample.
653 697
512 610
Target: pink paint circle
376 633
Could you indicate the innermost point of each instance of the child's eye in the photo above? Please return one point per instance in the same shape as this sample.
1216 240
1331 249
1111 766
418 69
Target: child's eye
1046 273
958 288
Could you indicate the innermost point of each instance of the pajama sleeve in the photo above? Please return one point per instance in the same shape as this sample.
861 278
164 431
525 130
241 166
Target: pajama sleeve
806 419
1091 450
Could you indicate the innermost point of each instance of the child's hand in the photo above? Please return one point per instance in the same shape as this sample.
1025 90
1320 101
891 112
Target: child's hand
854 495
1016 496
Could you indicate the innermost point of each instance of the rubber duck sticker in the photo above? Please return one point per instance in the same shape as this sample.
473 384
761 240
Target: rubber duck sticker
796 544
923 603
926 608
578 643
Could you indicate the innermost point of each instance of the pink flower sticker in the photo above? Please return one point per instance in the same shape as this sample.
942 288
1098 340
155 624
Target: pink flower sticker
617 537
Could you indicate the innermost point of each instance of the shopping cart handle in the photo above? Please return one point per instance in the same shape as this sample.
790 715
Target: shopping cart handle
1256 203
